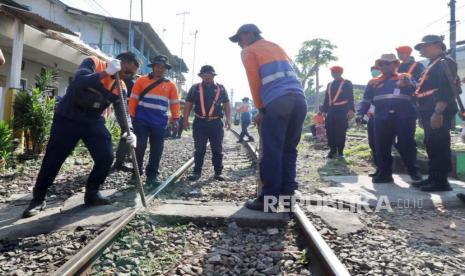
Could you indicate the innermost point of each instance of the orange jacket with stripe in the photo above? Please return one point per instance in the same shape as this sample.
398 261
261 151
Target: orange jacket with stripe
269 72
152 109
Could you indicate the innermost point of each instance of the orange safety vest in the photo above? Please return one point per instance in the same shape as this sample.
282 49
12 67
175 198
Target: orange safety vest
202 104
423 78
411 68
338 92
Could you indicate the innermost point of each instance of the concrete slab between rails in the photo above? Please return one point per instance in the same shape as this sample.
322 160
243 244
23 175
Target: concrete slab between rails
216 213
65 215
344 222
360 191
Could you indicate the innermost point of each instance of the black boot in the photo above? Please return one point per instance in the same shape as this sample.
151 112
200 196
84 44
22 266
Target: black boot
251 139
37 203
383 178
422 183
461 197
438 183
257 204
194 176
331 154
375 173
93 196
415 176
219 177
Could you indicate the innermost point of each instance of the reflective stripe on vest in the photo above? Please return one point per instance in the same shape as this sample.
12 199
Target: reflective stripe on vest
423 79
202 102
426 93
277 75
338 92
392 96
410 69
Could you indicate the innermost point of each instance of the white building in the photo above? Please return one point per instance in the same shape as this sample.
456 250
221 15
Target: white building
32 36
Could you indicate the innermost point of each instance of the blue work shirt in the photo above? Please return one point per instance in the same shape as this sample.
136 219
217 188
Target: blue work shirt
387 98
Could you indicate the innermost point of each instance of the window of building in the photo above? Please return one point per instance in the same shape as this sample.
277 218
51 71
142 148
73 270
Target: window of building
23 84
116 47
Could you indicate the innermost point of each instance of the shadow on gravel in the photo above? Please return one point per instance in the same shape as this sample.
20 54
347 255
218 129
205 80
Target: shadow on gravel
62 214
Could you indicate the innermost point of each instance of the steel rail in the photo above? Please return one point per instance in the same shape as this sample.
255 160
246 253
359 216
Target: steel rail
330 263
82 261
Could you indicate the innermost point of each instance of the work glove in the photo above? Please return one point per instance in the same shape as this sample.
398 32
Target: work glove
113 67
131 138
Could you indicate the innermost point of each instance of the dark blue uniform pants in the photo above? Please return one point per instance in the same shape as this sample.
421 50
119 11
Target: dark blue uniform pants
122 152
65 134
371 138
156 136
204 131
244 132
386 130
280 133
437 142
336 124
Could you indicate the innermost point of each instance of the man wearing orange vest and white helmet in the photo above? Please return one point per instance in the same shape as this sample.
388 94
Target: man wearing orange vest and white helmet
408 64
79 117
208 99
151 97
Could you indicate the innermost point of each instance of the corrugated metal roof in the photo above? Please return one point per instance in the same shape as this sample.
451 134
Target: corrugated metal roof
89 6
34 20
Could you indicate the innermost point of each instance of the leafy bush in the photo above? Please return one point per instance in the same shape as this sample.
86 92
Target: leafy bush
419 136
6 142
33 112
114 129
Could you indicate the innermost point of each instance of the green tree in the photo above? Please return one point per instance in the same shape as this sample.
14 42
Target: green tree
312 55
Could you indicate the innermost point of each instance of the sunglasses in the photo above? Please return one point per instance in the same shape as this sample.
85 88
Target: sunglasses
385 63
129 73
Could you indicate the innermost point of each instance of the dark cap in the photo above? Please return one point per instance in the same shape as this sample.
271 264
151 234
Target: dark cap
245 99
431 39
207 69
243 29
160 59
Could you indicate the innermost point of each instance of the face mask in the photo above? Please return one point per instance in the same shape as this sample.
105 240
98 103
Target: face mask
375 73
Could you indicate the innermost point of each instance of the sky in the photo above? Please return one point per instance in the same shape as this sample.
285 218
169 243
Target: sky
361 29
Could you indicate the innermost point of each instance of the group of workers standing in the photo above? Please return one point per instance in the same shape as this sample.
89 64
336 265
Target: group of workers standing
401 91
278 95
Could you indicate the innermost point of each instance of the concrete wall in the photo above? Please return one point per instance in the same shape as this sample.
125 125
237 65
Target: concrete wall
32 68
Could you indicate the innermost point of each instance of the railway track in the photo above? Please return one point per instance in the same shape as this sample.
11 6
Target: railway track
309 256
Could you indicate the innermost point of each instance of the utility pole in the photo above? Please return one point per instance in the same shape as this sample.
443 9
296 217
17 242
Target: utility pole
193 60
452 31
317 80
183 14
129 28
141 10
